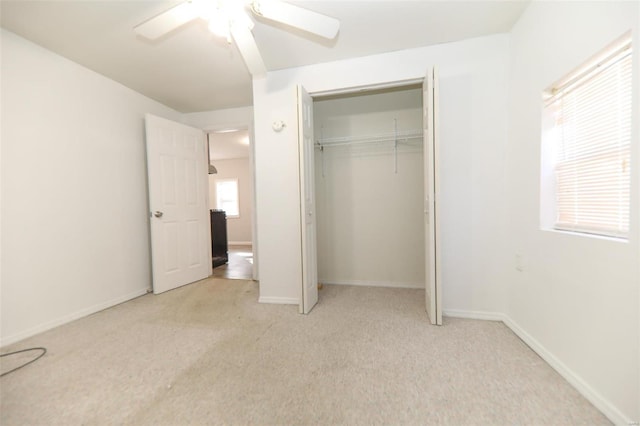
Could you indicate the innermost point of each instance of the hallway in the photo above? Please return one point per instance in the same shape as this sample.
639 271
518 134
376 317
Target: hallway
239 266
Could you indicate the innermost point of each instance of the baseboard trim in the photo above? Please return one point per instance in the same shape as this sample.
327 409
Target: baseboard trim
389 284
601 403
278 300
479 315
239 243
5 341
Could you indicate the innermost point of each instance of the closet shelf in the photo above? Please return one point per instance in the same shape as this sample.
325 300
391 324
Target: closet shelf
399 136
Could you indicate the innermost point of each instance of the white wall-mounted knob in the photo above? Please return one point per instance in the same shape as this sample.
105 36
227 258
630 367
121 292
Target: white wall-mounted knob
278 125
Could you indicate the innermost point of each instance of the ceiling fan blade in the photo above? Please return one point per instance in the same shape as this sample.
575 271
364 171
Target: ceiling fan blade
169 20
248 49
298 17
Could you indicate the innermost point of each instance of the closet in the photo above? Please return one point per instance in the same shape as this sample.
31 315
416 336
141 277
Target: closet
369 187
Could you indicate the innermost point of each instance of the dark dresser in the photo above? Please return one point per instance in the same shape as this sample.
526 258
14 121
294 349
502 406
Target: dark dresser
219 248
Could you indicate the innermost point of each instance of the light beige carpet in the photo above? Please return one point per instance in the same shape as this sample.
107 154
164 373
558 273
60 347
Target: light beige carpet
208 353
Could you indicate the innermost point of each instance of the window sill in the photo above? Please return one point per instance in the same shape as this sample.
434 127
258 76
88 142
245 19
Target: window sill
587 235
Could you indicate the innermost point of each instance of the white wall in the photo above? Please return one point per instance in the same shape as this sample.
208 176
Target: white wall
577 297
238 228
473 133
74 198
370 220
241 117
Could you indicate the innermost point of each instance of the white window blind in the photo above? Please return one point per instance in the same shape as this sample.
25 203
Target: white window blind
592 137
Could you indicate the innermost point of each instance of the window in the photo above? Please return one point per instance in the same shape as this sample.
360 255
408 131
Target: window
587 144
227 196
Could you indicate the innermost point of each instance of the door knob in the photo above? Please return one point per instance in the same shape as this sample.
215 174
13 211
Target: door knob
158 213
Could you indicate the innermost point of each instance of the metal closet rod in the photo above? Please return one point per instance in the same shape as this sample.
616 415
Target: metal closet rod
401 136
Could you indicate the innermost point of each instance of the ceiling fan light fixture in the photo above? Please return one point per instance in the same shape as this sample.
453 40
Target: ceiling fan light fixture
231 19
298 17
226 15
219 24
240 17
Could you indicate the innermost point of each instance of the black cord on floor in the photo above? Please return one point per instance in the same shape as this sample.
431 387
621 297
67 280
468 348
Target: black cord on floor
44 351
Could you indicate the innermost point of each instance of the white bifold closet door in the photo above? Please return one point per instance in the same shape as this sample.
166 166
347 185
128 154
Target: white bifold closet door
309 296
433 291
177 161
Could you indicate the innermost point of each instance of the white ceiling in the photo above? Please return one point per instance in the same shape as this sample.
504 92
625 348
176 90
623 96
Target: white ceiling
191 70
229 145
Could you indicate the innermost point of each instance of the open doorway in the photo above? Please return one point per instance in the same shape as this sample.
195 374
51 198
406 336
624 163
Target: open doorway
231 203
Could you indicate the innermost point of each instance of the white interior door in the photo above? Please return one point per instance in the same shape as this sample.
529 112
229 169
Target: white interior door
309 295
178 200
433 291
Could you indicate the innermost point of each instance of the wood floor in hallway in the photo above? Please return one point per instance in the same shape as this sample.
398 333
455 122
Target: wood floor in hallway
239 266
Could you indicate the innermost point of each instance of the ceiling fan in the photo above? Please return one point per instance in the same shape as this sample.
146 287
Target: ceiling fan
233 19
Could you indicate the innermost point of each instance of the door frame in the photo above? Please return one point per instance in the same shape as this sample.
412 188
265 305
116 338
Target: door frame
431 153
306 178
244 125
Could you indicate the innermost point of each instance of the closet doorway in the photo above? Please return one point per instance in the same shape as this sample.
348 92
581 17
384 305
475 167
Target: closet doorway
368 186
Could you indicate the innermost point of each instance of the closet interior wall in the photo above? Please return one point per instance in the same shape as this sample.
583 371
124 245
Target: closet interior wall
369 191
